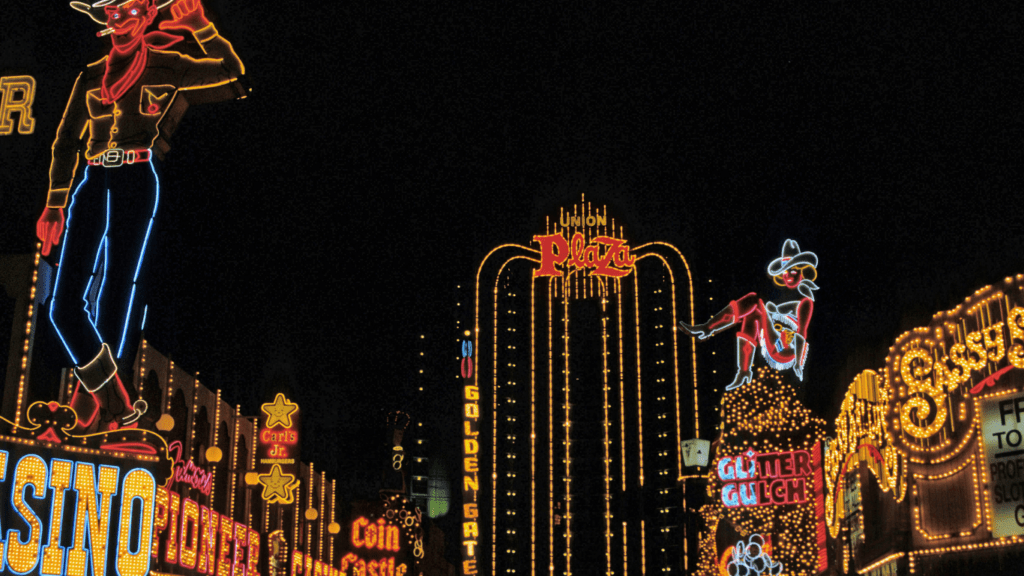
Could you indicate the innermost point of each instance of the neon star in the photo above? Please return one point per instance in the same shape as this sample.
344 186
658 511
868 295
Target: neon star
280 412
278 487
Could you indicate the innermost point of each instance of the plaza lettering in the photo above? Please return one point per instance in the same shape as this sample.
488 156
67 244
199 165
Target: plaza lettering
603 255
775 478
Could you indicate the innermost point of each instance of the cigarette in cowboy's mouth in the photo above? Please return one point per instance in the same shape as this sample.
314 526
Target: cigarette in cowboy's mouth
105 32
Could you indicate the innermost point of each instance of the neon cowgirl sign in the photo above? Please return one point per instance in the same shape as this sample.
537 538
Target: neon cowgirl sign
188 472
777 478
603 255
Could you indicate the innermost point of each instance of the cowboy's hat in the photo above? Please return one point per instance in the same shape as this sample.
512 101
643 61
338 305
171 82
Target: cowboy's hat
98 15
791 257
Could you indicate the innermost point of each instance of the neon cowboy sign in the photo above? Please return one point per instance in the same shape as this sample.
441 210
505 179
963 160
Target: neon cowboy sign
777 478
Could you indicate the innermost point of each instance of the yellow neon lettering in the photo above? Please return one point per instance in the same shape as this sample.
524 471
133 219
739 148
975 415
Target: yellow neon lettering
471 465
357 540
60 481
472 393
471 446
470 511
159 518
252 560
241 541
25 87
172 528
138 489
189 548
1015 322
208 543
3 476
470 483
472 410
974 344
30 471
226 536
470 530
994 339
92 515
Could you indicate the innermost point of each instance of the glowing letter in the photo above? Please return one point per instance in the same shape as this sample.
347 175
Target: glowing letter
3 476
138 488
357 540
208 542
172 528
92 517
226 536
394 538
470 483
241 540
252 561
470 530
553 250
730 496
53 554
471 446
726 469
159 518
1015 322
26 86
22 557
189 533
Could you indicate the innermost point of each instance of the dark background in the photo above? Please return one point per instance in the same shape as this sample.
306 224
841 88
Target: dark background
310 233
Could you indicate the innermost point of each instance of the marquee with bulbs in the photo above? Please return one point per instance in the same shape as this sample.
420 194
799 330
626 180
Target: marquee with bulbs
940 429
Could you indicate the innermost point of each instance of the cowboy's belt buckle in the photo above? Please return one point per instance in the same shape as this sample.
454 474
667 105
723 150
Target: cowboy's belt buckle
113 158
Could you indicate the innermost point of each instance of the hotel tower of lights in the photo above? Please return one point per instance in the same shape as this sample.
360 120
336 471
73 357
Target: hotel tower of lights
577 392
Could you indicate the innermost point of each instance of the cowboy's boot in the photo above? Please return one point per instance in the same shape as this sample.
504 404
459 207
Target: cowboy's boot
744 363
726 317
89 400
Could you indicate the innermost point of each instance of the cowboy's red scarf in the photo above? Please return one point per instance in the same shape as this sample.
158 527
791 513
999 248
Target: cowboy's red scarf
125 67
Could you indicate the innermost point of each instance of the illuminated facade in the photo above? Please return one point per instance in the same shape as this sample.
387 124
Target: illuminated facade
925 473
576 394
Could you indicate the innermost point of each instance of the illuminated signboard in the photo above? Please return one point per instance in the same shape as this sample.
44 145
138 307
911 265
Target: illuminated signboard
778 329
78 504
197 538
764 479
470 461
16 95
1002 424
277 450
601 256
385 540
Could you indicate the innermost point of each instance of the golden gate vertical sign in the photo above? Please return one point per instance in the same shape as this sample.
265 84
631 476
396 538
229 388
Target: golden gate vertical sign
470 460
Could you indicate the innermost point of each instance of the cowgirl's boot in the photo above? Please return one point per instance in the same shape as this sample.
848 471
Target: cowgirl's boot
744 363
726 317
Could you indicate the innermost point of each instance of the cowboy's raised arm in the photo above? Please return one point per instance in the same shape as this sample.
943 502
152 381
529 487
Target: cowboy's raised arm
221 64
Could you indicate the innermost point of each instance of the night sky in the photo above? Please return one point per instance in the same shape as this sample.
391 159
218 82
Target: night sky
318 227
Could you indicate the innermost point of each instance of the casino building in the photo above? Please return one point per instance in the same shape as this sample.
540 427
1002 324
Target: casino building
577 393
925 473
